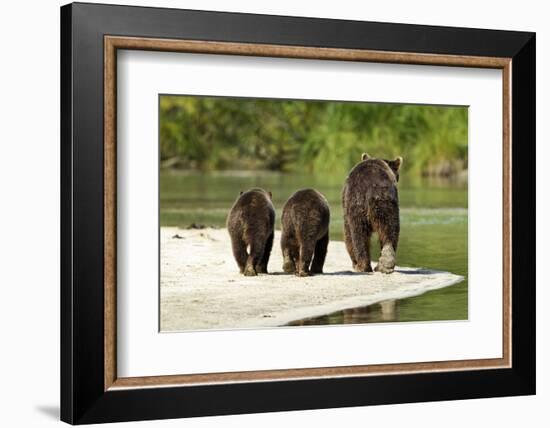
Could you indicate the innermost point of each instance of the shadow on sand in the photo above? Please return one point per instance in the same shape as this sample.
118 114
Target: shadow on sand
350 272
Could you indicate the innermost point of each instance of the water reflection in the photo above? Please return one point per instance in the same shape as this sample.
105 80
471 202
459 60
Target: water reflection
434 229
385 311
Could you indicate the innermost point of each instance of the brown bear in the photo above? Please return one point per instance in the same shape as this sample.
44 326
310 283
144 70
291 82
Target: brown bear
251 224
305 221
371 204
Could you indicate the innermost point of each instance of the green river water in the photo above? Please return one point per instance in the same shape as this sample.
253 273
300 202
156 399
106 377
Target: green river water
434 230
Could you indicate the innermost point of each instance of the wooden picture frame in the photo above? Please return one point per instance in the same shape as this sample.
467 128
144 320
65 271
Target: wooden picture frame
91 391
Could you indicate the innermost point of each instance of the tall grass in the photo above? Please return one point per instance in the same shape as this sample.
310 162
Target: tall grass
212 133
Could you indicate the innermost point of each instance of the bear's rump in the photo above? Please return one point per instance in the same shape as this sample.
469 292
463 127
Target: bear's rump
306 223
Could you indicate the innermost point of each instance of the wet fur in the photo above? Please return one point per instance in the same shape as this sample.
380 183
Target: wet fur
305 232
251 224
371 204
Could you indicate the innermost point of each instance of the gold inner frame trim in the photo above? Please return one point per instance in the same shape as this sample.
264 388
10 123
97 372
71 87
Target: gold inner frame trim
113 43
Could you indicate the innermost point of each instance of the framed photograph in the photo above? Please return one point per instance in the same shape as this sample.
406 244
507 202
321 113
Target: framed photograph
266 213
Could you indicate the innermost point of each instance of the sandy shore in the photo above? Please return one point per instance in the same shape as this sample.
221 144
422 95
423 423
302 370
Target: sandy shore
201 287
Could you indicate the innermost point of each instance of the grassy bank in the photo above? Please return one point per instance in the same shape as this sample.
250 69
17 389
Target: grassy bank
214 133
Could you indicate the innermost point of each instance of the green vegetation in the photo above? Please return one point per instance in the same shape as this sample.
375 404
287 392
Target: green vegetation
212 148
210 133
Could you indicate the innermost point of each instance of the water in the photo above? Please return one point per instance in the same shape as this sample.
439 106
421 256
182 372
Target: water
434 230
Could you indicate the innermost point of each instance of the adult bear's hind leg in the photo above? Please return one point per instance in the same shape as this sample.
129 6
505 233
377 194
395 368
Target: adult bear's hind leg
386 262
389 236
349 243
360 235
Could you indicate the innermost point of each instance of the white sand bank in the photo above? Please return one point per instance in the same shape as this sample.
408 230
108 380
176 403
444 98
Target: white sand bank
201 287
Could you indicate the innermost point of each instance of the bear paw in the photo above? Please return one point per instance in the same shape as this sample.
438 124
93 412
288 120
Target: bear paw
382 269
386 262
288 267
250 271
363 267
261 269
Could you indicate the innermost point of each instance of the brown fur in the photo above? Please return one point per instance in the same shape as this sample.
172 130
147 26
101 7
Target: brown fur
371 204
305 221
251 224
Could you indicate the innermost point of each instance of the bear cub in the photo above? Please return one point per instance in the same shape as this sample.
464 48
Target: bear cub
305 225
371 204
251 224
